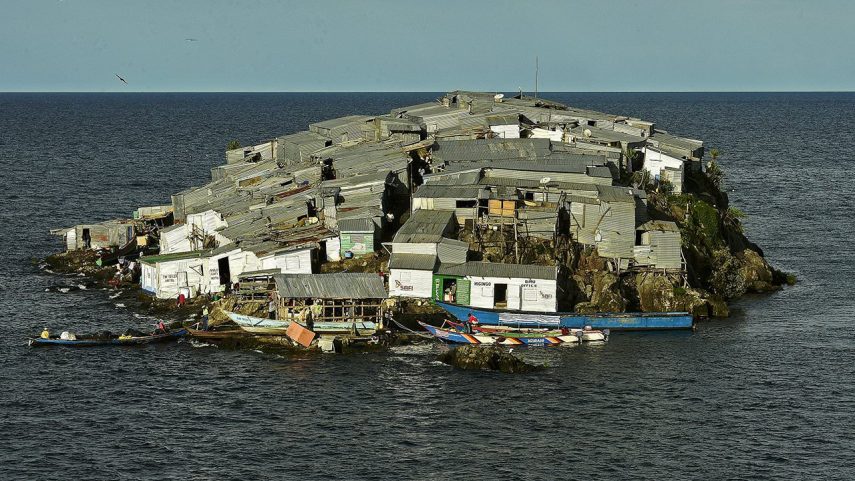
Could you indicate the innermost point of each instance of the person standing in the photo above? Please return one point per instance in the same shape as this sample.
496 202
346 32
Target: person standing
271 308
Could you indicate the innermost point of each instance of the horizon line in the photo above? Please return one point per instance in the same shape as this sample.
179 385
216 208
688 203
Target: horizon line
404 91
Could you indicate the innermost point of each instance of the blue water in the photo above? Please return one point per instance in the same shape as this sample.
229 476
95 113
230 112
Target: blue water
766 394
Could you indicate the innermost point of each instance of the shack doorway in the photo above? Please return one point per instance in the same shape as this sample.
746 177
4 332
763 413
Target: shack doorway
225 273
500 295
87 238
449 290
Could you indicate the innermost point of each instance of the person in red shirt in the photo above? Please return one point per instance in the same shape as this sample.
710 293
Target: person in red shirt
472 322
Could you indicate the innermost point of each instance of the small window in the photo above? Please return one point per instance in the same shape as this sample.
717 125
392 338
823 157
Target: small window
529 294
463 204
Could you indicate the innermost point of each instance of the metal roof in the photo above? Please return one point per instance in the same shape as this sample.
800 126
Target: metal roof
674 141
341 121
609 135
339 285
425 226
503 119
449 191
489 149
178 256
418 262
608 193
494 269
505 181
544 165
357 225
599 171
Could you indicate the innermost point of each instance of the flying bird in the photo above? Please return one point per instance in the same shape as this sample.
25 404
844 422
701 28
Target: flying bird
191 39
123 80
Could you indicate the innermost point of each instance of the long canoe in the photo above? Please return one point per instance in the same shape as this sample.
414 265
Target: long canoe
277 327
111 341
637 321
454 336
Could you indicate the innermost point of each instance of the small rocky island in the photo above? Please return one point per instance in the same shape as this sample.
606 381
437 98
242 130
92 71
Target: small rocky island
476 199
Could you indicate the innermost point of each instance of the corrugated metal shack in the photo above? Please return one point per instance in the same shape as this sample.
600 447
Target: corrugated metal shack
110 233
500 286
358 236
467 201
298 148
418 247
659 245
606 221
334 297
343 129
191 273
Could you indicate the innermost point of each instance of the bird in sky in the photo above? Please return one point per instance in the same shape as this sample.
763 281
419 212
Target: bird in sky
191 39
123 80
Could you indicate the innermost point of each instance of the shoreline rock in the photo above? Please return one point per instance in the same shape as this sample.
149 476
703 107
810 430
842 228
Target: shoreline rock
491 358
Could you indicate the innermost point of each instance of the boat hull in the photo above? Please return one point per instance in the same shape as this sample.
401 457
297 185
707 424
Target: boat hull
276 327
202 334
133 341
638 321
454 336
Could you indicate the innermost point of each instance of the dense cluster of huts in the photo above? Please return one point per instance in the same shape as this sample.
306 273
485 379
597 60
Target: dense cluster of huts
407 183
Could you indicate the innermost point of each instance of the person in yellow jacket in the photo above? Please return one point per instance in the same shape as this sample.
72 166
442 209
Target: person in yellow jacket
45 334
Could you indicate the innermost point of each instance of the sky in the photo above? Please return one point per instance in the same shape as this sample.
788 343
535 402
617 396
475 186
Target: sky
426 46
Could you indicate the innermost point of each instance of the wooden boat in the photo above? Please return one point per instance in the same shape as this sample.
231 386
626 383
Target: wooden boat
108 257
276 327
588 335
108 341
452 335
628 321
216 334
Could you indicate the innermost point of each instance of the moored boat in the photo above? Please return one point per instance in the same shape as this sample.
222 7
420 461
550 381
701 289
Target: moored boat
629 321
276 327
587 334
85 341
455 336
215 334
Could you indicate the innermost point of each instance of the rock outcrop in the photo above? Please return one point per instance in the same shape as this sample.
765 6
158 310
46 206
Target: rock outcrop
492 358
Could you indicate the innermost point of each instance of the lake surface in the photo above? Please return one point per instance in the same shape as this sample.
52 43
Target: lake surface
766 394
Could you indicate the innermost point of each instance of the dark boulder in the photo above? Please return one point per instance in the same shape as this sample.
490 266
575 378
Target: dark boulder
493 358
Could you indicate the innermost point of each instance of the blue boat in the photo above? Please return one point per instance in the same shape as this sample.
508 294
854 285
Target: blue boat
629 321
